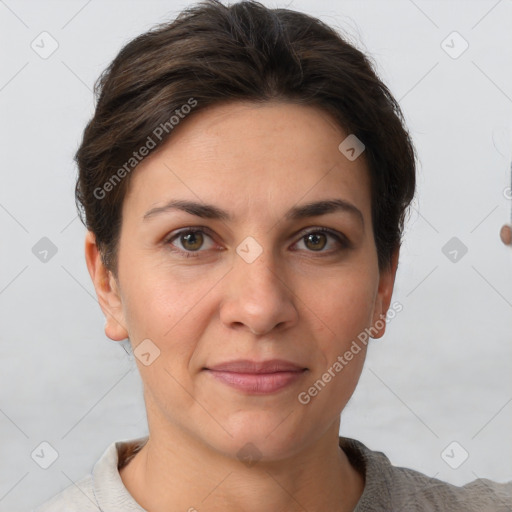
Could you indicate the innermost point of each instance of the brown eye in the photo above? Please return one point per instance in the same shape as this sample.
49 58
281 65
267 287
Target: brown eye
323 241
315 241
192 241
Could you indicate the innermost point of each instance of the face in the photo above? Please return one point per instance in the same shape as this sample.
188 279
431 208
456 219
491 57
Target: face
248 273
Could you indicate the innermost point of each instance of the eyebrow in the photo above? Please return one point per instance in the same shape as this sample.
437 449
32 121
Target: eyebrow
209 211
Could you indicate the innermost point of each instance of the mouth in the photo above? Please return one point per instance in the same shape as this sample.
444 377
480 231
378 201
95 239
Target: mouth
257 377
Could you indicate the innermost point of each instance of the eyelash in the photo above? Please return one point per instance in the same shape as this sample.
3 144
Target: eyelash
340 239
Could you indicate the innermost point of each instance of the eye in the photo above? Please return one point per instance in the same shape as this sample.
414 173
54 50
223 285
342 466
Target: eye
191 240
317 239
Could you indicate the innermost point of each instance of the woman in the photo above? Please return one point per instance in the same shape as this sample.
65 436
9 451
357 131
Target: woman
244 182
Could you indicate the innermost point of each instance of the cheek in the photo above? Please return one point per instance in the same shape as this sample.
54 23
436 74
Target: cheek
147 309
159 299
344 305
171 314
345 308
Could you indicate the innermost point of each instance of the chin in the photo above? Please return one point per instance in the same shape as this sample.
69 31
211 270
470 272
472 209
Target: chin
260 436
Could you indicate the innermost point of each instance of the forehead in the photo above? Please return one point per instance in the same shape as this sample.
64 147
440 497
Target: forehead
252 155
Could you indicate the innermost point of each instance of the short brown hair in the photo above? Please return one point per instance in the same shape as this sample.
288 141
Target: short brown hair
211 54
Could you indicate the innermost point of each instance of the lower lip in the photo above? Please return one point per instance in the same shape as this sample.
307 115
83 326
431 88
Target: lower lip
258 383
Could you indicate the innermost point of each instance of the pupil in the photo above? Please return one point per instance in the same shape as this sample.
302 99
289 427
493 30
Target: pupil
315 239
192 239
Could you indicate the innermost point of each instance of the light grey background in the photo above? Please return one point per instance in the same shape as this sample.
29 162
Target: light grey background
441 373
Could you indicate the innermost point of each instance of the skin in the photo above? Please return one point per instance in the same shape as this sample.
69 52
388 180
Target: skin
506 234
299 300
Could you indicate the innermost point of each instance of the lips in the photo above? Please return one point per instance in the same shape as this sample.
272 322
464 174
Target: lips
257 377
249 366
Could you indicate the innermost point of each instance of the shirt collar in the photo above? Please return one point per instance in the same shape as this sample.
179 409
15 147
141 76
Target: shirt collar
109 490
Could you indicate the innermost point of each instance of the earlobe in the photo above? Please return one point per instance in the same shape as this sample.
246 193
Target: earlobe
107 291
384 294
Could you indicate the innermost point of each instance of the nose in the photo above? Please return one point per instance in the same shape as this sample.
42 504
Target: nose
257 297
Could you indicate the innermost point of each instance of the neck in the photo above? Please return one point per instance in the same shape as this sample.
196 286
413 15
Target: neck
174 471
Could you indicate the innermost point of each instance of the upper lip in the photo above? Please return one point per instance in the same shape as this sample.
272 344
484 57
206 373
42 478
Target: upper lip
249 366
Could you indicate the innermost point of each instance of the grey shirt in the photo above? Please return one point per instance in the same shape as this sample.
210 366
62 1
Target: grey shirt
387 487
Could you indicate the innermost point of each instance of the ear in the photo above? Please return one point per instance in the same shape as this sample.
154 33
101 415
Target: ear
383 299
106 290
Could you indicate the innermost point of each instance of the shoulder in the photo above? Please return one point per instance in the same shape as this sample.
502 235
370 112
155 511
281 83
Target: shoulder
389 487
414 489
103 488
77 497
